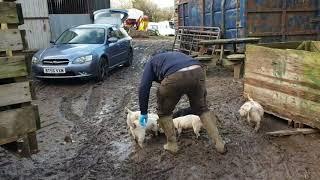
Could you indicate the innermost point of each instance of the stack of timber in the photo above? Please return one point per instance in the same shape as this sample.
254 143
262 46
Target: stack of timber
286 81
19 118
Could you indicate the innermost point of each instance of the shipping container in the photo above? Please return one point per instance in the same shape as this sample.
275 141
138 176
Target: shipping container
36 23
272 20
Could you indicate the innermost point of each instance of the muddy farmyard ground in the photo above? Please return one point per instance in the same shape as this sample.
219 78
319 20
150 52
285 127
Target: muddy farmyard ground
93 116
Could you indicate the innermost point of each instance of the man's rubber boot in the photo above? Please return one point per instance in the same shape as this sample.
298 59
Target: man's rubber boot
167 125
210 124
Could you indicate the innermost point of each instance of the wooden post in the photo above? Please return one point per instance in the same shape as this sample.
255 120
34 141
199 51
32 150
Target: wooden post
23 146
221 55
237 70
33 144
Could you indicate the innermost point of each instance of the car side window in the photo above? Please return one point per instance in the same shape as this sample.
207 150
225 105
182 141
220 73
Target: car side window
111 33
118 33
124 32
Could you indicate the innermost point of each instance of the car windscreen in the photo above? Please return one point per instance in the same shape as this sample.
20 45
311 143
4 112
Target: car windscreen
171 24
82 36
154 27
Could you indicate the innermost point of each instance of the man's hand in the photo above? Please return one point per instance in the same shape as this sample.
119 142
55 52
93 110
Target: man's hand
143 120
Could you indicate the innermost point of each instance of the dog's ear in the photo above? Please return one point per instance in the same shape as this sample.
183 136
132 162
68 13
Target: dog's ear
247 96
128 110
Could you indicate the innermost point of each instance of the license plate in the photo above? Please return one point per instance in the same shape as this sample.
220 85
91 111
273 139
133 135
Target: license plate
54 70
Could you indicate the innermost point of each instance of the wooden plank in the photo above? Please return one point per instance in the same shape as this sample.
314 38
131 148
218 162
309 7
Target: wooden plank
15 123
204 58
282 45
9 13
293 132
229 41
15 93
236 57
11 67
10 39
294 66
286 106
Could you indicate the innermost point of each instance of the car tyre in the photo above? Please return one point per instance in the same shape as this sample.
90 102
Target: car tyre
130 59
103 70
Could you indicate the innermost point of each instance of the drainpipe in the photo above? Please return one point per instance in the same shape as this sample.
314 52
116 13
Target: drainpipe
223 17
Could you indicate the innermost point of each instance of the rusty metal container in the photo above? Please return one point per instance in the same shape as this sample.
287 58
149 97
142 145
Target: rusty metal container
273 21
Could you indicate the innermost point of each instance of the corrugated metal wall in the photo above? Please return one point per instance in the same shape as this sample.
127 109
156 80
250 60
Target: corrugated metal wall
37 33
284 20
76 6
60 22
69 13
34 8
36 23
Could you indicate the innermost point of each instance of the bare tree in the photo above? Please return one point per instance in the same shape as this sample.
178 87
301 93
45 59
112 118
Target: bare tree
122 4
153 11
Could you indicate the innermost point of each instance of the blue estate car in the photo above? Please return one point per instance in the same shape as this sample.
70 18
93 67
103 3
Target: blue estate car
84 51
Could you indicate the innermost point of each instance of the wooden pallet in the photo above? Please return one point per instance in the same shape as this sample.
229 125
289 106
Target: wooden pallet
19 118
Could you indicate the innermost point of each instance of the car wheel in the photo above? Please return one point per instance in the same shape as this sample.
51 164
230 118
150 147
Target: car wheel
130 58
103 70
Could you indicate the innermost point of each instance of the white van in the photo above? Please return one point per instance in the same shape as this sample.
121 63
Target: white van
166 28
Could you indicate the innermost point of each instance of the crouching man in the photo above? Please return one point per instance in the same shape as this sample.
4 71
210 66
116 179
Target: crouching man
178 74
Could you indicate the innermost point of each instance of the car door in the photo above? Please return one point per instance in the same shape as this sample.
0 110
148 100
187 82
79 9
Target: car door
113 49
122 44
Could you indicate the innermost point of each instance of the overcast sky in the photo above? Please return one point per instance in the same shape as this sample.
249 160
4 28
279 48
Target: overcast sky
164 3
160 3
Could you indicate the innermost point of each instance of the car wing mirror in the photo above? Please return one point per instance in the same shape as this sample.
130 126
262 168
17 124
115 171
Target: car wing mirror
112 40
51 42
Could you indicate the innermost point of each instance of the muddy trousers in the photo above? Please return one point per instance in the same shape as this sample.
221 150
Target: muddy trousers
192 84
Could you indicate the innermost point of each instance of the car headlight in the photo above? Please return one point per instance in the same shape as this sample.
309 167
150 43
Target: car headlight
83 59
35 60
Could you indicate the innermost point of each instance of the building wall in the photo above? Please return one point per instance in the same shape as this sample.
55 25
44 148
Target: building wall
65 14
61 22
36 23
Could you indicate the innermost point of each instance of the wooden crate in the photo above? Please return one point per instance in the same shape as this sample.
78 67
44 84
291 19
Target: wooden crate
19 118
286 81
